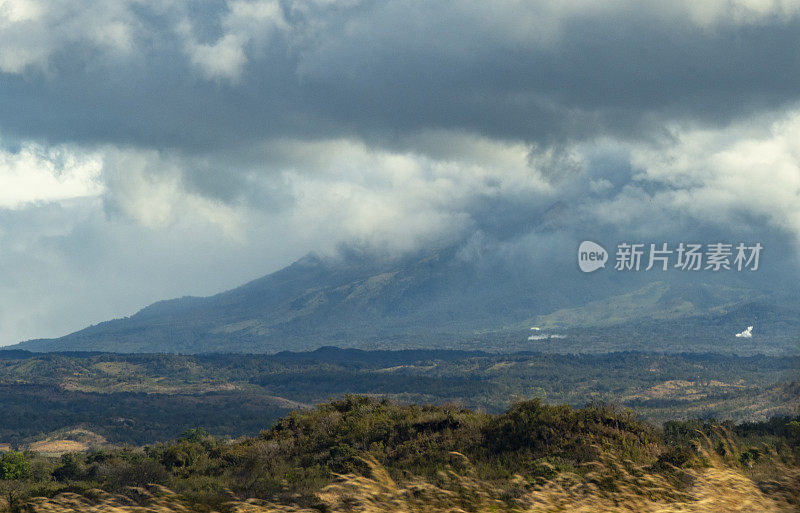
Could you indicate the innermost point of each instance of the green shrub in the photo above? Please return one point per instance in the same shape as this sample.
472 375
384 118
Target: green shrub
14 465
71 468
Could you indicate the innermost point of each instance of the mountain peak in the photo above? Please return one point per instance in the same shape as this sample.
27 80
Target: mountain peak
433 299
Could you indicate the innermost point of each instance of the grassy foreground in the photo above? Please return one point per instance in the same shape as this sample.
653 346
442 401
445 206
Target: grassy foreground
366 454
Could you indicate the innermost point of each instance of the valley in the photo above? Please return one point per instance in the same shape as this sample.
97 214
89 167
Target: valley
143 398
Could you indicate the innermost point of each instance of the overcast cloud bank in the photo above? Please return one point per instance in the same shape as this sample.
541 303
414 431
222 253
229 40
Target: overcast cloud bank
152 149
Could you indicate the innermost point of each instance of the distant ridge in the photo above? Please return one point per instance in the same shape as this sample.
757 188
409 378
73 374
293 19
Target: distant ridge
446 298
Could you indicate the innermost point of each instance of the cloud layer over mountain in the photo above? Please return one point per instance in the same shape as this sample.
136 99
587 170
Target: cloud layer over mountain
151 149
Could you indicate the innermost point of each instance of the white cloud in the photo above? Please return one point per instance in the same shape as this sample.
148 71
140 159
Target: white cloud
746 12
31 31
223 59
725 174
148 188
399 200
141 185
246 24
37 174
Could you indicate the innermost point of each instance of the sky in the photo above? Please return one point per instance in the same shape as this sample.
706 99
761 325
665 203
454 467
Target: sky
152 149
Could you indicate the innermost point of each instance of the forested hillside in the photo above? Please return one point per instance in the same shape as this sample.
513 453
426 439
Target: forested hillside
144 398
364 454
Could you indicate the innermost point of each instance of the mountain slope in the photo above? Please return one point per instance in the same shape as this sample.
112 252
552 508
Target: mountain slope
317 300
442 299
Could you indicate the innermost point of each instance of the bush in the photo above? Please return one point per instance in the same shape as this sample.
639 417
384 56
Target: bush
70 469
137 473
14 465
532 430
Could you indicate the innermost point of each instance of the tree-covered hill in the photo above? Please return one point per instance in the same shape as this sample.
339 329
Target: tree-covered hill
142 398
366 454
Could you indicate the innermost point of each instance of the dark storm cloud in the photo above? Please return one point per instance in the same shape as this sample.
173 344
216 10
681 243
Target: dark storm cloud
377 70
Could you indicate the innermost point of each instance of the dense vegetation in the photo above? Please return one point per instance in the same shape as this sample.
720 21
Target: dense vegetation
30 412
141 399
528 445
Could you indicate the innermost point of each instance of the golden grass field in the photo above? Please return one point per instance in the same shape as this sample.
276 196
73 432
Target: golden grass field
715 489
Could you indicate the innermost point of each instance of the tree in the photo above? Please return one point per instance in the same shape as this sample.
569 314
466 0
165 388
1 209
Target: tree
14 465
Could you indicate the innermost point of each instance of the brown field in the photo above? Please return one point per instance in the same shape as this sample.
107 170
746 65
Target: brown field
57 447
61 442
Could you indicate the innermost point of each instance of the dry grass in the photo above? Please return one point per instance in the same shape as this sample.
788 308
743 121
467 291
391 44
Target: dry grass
61 442
715 489
57 447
